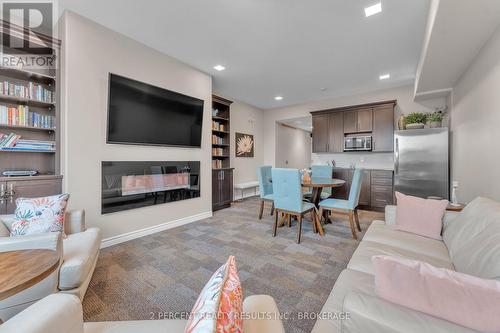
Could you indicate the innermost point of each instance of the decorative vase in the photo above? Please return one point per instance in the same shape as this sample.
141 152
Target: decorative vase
415 126
435 124
401 122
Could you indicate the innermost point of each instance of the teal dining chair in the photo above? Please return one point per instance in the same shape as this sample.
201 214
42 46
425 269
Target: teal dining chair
287 193
265 188
323 171
348 206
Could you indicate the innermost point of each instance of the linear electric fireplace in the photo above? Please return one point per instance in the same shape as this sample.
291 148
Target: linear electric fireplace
129 185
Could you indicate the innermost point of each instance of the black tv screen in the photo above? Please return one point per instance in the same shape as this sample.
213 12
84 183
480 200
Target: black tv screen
142 114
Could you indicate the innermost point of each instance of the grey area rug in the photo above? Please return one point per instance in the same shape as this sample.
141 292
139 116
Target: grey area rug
163 273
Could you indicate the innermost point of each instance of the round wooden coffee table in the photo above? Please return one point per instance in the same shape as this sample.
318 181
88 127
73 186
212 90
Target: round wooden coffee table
25 268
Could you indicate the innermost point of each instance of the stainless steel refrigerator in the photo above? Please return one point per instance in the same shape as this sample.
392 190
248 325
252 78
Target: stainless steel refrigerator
421 162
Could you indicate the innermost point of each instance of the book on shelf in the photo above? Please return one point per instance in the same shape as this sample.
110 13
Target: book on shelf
21 116
216 164
33 91
217 140
217 151
13 141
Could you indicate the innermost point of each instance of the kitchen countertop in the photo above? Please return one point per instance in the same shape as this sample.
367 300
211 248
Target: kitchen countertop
366 167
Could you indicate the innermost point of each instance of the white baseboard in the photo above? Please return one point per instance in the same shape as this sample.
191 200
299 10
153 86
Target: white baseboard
154 229
237 194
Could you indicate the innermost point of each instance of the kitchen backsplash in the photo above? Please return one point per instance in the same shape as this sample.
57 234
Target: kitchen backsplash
363 160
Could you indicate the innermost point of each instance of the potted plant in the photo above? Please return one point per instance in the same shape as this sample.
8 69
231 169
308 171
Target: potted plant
435 119
415 120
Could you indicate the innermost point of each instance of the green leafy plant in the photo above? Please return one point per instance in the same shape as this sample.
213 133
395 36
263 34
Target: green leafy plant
416 118
436 117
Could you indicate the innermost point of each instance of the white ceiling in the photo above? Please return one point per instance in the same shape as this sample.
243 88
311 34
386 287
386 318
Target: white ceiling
292 48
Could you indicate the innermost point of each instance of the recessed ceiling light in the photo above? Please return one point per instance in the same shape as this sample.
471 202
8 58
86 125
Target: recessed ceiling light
372 10
219 68
278 98
384 76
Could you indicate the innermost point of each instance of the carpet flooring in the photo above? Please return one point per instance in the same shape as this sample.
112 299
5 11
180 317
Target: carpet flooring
162 274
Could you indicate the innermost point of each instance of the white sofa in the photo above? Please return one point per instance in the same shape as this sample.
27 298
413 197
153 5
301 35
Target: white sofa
79 252
471 244
62 313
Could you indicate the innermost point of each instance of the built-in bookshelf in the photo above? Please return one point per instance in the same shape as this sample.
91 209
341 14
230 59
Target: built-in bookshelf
220 132
29 119
222 174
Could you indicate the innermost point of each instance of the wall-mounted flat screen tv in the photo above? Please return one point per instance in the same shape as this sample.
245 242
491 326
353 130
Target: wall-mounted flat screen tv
143 114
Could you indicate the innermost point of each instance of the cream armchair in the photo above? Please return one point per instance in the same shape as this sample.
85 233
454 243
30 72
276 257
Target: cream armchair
79 252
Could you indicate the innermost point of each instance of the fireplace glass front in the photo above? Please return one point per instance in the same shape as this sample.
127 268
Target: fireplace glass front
129 185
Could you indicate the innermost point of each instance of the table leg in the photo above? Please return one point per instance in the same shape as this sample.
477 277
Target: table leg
317 220
316 196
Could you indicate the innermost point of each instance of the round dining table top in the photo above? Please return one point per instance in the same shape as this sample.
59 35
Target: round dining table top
24 268
323 182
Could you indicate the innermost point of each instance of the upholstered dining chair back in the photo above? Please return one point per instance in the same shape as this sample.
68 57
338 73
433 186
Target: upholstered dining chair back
264 176
323 171
286 188
355 189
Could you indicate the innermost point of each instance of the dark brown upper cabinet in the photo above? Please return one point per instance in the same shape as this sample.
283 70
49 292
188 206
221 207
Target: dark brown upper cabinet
328 134
330 126
358 121
383 128
320 134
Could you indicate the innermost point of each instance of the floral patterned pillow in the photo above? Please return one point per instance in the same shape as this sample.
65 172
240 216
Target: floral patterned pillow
39 215
220 304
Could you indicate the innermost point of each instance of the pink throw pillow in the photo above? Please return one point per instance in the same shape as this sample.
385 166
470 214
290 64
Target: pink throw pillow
220 304
423 217
457 297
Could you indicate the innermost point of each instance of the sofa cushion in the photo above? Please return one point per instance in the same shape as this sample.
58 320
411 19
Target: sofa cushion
347 281
473 239
362 257
372 314
379 232
457 297
80 251
423 217
39 215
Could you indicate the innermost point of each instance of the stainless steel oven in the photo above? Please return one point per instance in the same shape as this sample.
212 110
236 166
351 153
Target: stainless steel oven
356 142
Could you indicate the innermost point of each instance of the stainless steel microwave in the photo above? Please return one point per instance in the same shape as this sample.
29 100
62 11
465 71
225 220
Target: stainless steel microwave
358 143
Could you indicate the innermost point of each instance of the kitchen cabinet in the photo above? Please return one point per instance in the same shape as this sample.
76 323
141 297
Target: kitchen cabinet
222 188
376 187
383 128
365 194
350 122
335 133
381 189
12 188
358 121
332 125
320 134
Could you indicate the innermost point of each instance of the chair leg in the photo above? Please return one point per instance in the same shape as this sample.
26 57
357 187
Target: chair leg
299 226
261 209
351 222
272 208
314 221
275 224
289 221
356 218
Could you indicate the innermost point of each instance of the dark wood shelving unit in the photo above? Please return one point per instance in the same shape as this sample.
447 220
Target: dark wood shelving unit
222 173
46 162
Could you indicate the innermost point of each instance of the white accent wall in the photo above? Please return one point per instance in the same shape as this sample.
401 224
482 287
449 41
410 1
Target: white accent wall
90 51
475 126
